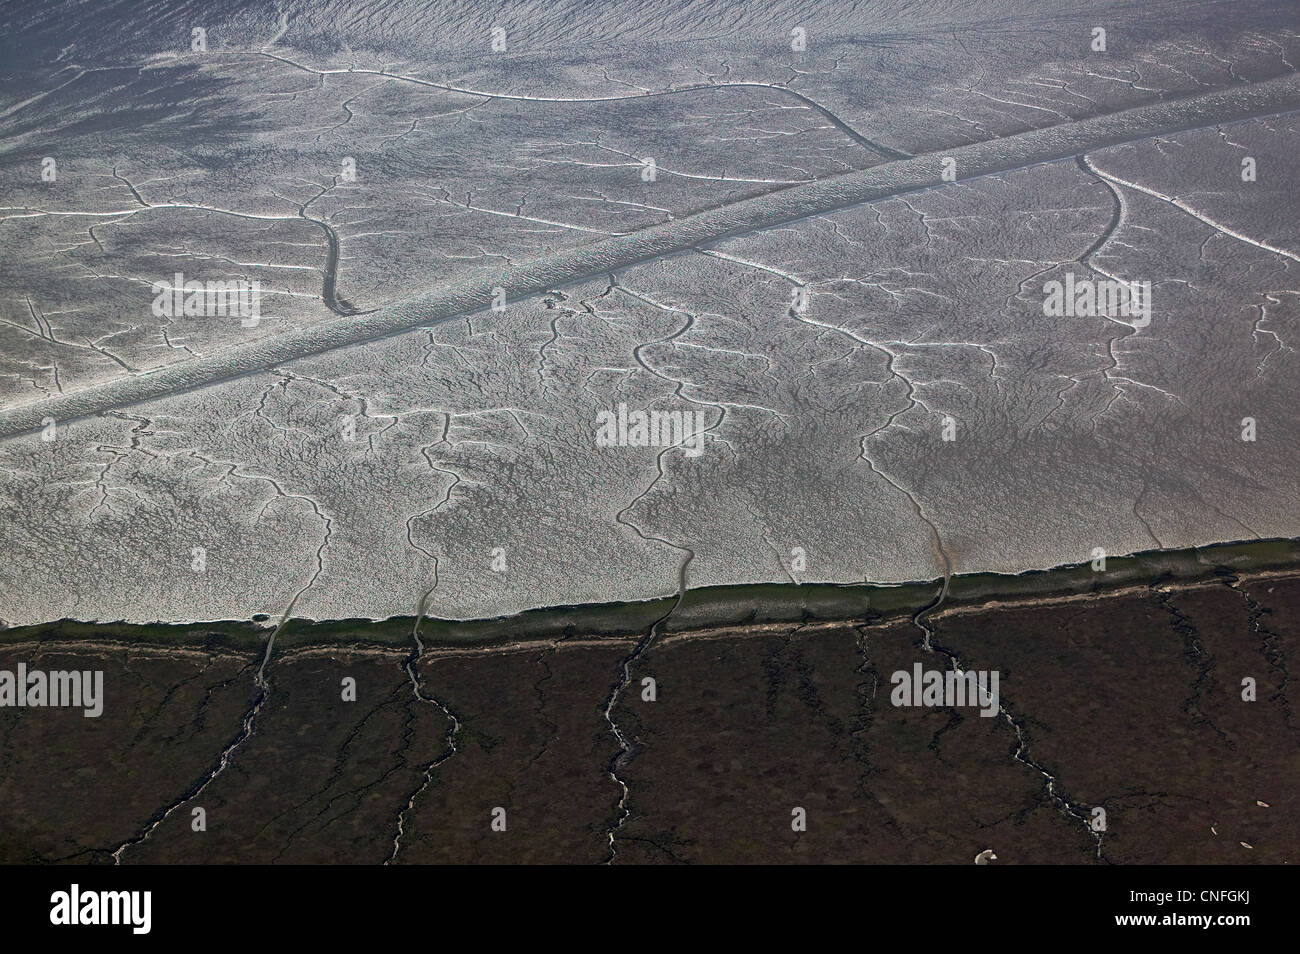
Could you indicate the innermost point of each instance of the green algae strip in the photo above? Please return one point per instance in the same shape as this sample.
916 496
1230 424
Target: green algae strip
702 608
